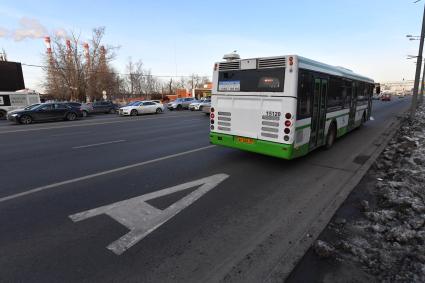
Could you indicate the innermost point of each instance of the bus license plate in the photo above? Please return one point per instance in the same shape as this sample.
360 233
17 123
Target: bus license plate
245 140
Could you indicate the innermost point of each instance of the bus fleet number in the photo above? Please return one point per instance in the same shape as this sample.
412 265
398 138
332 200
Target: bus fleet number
273 114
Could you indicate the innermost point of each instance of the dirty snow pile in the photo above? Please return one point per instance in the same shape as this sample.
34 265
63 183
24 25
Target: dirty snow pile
389 240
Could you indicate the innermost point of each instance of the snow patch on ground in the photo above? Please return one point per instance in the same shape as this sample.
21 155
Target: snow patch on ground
389 239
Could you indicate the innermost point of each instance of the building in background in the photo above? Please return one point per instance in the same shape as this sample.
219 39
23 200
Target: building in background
401 87
204 91
11 76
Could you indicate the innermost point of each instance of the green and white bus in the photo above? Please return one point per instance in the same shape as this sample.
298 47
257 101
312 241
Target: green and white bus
285 106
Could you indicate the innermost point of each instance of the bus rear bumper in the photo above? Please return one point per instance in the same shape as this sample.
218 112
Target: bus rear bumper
284 151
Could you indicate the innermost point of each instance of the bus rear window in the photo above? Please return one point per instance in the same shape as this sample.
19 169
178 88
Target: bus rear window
262 80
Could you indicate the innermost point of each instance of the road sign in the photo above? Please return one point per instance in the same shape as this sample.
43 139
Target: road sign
142 218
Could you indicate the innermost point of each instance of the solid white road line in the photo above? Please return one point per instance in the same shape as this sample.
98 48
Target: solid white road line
69 134
91 176
97 144
91 124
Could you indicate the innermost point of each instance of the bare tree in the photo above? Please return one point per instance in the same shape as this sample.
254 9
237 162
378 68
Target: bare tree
75 73
139 81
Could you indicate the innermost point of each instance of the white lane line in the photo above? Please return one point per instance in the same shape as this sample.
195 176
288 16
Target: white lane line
97 144
92 124
69 134
91 176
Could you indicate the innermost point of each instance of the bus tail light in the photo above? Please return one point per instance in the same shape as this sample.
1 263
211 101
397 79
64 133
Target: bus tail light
212 127
286 138
288 123
212 109
212 121
212 116
288 116
287 131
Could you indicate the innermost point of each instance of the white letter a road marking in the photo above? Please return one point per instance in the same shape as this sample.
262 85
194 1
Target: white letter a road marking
142 218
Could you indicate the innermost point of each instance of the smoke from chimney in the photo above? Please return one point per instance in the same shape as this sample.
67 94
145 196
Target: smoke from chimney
30 29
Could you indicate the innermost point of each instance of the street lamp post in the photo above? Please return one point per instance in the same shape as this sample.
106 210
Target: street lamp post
421 97
418 70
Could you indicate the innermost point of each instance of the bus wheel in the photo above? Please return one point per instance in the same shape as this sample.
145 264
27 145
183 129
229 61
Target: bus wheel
363 119
331 137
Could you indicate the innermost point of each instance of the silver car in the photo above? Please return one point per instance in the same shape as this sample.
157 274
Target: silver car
180 103
198 105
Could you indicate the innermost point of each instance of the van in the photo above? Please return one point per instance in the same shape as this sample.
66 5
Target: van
10 101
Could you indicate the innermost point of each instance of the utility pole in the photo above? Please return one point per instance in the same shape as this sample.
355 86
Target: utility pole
421 97
418 71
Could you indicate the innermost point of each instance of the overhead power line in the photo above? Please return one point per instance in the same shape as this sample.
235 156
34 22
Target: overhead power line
115 73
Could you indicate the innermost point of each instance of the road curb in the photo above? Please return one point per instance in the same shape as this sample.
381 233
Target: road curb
287 262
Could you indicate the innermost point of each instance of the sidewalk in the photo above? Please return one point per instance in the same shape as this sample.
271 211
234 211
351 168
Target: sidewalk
378 234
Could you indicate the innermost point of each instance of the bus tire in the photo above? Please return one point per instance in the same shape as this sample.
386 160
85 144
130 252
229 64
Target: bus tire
363 119
331 136
3 114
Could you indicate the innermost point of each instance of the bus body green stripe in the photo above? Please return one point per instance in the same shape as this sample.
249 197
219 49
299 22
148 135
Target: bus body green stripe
301 150
284 151
335 117
342 131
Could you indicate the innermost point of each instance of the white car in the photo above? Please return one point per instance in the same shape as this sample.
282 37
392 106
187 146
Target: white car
141 107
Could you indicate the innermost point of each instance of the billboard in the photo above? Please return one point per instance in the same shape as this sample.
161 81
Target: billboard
11 76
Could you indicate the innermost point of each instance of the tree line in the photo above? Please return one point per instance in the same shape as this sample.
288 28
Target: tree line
84 72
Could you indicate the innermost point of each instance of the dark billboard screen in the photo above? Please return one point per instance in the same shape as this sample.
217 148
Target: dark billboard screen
11 77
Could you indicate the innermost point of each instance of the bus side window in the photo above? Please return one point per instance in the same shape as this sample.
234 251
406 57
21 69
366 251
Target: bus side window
336 94
305 94
349 92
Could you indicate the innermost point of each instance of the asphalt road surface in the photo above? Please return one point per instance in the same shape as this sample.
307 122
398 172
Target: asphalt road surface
148 199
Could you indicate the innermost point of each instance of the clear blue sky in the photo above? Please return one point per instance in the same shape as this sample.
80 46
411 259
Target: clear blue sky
186 37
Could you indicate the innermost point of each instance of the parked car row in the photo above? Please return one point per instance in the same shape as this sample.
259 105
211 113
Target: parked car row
59 111
73 110
188 103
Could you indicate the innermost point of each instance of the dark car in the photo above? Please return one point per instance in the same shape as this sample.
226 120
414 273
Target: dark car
85 108
45 112
104 107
